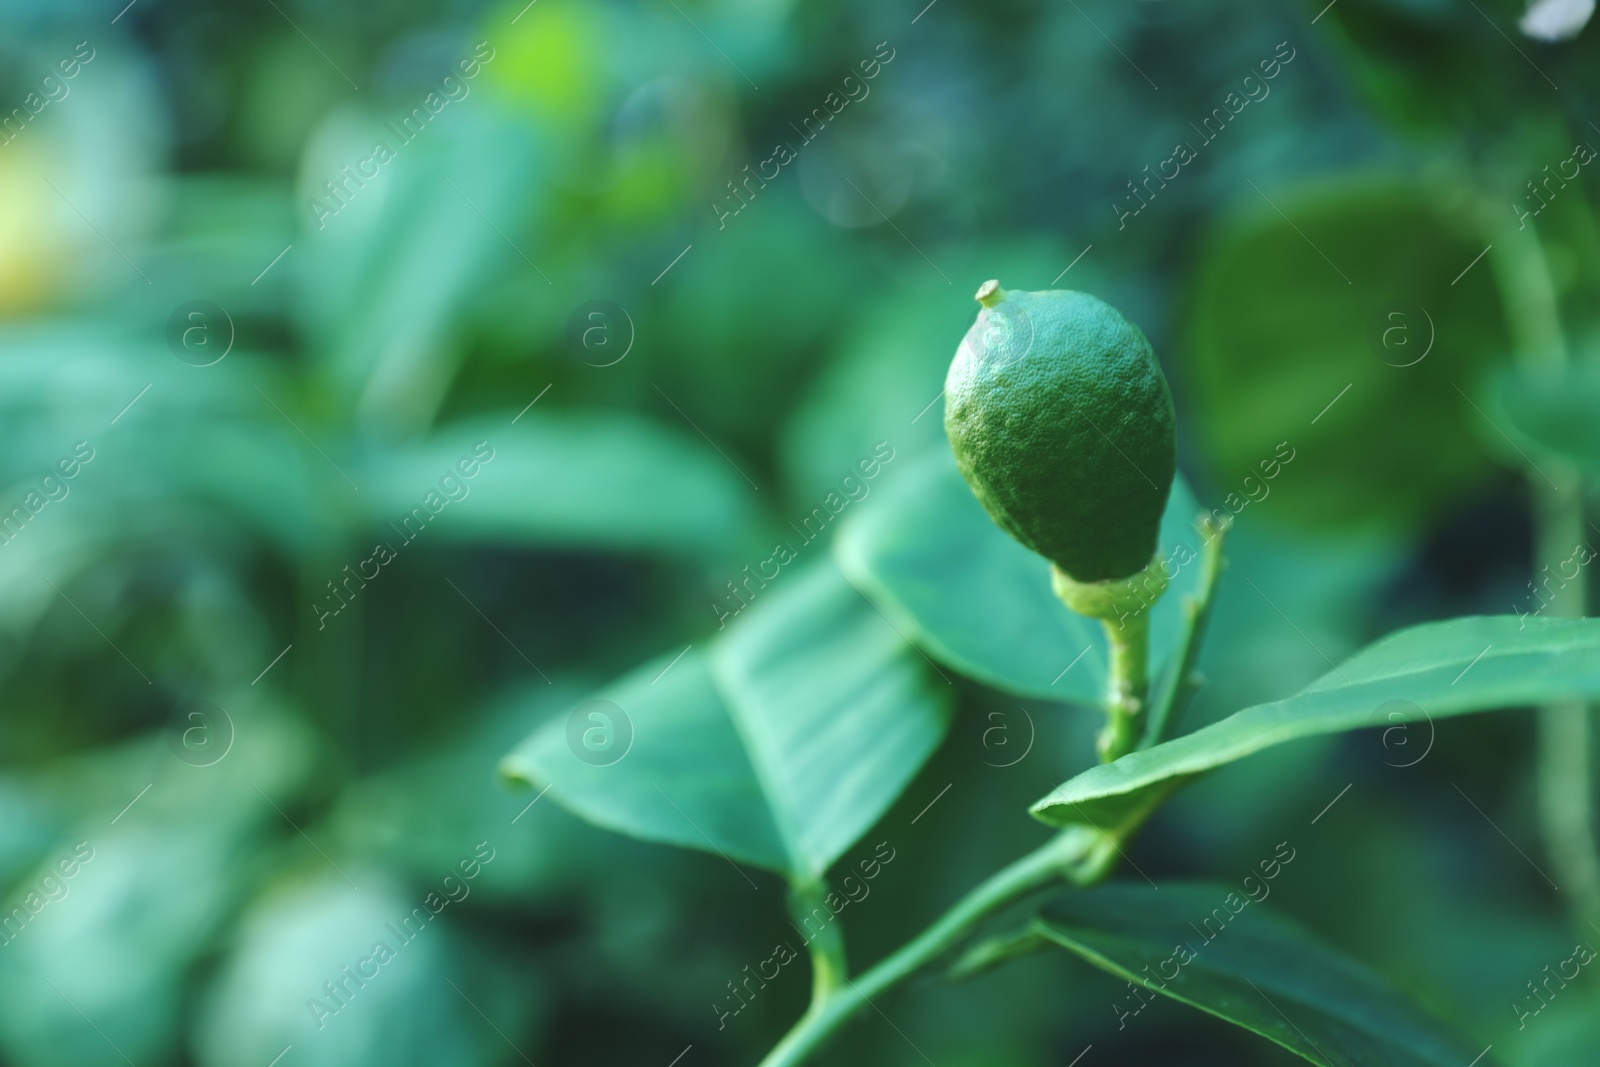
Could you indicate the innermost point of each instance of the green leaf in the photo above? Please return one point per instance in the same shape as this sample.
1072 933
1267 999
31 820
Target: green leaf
581 480
1545 412
388 277
206 819
780 744
1334 326
398 1009
901 348
1466 70
1419 674
977 601
1254 969
412 817
790 313
685 781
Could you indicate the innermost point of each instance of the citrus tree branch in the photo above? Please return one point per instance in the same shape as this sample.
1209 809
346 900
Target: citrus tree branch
1566 771
1078 856
829 968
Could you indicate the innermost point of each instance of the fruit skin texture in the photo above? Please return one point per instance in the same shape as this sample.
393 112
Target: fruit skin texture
1062 423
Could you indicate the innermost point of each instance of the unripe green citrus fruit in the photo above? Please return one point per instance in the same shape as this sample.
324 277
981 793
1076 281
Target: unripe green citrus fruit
1062 423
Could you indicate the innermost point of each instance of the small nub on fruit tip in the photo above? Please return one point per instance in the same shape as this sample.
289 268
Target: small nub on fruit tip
990 293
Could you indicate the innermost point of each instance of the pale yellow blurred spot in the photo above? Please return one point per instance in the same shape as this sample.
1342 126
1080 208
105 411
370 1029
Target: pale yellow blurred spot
32 260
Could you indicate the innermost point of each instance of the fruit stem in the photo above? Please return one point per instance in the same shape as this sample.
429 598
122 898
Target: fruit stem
1129 685
1122 605
989 293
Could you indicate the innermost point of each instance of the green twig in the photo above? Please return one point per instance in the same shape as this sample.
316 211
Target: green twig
1077 855
1566 771
1080 856
1180 681
829 967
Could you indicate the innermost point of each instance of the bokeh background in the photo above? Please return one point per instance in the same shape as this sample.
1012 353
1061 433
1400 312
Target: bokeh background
268 372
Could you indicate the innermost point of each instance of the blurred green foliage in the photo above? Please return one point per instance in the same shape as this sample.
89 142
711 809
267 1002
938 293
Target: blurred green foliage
265 786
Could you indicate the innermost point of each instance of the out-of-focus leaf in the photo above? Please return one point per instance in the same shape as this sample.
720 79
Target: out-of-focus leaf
740 328
976 600
984 956
413 817
1401 52
148 889
1335 327
596 481
1567 1032
414 1001
884 373
30 828
388 273
780 745
1546 412
115 943
229 229
1257 970
158 431
238 744
1419 674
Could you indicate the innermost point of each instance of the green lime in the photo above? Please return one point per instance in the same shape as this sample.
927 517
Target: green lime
1062 423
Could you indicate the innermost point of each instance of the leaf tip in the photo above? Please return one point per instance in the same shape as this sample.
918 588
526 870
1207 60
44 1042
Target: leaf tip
515 773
